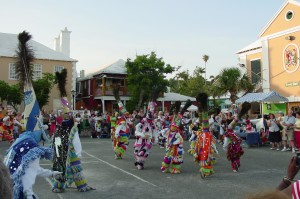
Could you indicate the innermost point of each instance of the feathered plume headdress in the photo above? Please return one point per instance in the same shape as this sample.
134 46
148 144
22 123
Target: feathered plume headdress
174 109
186 106
122 108
25 57
61 78
202 99
245 108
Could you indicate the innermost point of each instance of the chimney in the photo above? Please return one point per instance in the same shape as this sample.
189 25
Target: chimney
62 42
81 73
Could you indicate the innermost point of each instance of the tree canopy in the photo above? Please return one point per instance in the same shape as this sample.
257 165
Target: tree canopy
146 78
42 88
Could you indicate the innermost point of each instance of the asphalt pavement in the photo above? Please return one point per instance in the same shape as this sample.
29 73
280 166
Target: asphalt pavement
261 168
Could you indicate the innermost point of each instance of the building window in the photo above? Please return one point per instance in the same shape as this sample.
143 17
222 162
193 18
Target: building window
12 72
289 15
255 71
58 69
37 71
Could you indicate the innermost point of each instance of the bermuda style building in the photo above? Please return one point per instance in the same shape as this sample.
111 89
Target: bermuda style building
272 61
46 60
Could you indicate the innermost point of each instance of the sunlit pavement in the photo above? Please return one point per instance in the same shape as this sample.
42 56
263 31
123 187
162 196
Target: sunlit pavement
260 169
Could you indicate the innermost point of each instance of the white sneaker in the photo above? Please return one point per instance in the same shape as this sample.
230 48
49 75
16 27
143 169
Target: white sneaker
293 150
288 149
284 149
234 171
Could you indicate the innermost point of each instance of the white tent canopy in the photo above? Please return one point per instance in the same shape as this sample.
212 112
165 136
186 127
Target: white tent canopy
272 96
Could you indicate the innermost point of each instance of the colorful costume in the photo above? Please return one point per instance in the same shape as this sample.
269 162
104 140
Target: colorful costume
174 151
73 166
234 149
232 142
23 156
193 140
22 159
61 136
122 141
142 146
113 129
205 148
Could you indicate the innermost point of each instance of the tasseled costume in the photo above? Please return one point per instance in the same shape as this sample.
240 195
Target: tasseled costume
73 166
143 144
122 141
174 151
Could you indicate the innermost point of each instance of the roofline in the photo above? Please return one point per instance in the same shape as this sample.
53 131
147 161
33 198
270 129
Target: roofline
276 14
251 49
73 60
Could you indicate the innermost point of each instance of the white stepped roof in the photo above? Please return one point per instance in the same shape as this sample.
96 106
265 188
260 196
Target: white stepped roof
116 68
175 97
9 44
252 46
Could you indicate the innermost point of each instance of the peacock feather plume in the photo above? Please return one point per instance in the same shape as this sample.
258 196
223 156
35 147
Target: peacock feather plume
186 106
61 78
245 108
25 57
202 99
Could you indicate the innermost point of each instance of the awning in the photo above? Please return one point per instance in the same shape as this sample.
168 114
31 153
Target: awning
272 96
175 97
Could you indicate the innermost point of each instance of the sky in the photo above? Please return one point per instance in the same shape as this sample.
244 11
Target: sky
179 31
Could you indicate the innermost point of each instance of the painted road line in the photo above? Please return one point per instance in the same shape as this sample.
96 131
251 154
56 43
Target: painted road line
115 167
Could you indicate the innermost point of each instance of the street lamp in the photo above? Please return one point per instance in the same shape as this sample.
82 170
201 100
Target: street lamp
73 95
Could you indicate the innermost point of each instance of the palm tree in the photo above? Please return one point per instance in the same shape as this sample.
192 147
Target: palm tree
205 59
231 80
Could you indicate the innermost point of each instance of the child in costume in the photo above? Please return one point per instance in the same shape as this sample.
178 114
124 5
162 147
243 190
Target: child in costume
232 142
193 138
174 151
73 166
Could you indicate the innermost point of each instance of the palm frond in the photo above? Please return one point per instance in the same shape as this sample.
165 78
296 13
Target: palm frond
61 78
25 56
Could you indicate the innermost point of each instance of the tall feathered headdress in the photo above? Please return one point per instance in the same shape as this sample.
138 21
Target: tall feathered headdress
122 108
174 109
245 108
61 78
186 106
25 57
202 99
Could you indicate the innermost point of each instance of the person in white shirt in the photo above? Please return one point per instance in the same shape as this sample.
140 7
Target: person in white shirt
288 131
274 132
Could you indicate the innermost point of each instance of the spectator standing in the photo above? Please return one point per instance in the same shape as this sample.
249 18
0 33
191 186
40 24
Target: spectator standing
78 120
297 130
52 124
274 132
288 131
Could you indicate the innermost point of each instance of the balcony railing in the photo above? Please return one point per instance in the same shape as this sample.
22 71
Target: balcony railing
108 91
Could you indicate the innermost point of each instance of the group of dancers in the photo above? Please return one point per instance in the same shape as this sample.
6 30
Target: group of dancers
168 129
23 157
